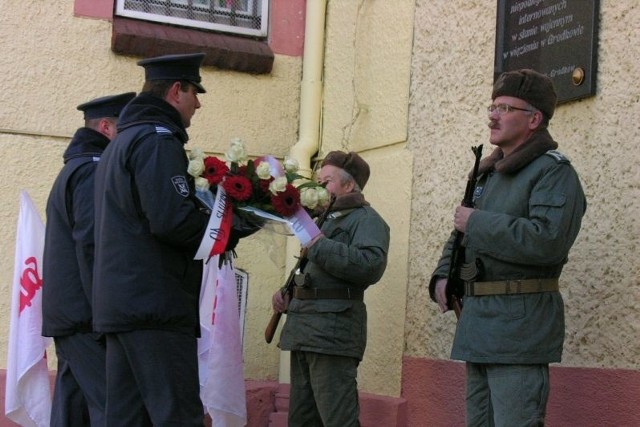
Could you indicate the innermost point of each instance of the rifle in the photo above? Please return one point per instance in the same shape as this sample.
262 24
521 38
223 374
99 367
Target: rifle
455 285
270 331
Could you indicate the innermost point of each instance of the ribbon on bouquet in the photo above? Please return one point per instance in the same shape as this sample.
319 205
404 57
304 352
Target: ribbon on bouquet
216 237
303 227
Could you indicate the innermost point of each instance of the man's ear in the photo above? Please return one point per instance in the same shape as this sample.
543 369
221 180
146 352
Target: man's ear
350 186
107 128
536 120
173 94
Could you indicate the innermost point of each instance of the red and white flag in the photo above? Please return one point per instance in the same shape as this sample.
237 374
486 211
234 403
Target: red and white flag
222 387
28 394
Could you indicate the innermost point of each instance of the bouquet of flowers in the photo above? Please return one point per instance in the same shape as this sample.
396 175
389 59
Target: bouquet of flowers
263 191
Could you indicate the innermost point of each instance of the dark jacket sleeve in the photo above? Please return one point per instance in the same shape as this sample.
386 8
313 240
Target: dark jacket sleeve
82 186
166 199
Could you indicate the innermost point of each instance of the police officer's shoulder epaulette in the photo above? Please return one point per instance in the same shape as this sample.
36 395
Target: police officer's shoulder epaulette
161 130
560 158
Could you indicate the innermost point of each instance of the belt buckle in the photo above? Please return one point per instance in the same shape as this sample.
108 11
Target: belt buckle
515 284
468 288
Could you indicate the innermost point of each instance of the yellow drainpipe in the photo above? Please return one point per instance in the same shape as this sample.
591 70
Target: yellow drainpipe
311 86
309 127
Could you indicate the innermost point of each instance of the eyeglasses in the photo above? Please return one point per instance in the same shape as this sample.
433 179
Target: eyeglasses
505 108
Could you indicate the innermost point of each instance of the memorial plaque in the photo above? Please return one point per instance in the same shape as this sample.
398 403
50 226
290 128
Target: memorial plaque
556 37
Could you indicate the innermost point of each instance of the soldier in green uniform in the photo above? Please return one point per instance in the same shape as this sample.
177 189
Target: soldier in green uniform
528 208
326 327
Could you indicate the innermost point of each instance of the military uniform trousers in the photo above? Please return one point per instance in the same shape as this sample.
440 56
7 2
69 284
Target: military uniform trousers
501 395
324 391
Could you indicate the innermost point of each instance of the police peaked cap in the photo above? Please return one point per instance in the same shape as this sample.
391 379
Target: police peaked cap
350 162
530 86
175 67
106 106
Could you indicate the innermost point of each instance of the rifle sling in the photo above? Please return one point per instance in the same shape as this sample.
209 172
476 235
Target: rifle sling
510 287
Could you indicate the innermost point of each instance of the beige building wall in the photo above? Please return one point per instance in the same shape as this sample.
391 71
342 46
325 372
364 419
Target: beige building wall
55 61
452 70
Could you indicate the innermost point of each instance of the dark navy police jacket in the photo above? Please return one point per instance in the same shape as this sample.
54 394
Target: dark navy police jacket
69 245
148 225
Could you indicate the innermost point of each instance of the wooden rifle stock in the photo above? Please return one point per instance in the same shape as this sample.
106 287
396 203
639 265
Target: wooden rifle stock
457 306
270 330
455 286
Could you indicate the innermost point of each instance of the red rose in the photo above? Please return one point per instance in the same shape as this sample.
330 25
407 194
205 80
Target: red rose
286 202
214 170
238 187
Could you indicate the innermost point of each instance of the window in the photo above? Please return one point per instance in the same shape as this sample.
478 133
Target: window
246 17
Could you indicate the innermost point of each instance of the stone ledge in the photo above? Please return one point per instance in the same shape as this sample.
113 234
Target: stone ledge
147 39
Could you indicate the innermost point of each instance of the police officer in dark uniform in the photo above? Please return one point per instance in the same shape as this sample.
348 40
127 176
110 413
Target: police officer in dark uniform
79 394
149 225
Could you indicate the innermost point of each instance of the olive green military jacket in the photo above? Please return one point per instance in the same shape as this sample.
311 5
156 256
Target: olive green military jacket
523 227
353 255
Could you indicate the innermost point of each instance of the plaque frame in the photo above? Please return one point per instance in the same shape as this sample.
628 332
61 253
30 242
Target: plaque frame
526 31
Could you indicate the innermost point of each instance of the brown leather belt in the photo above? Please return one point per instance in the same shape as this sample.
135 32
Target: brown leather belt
319 293
510 287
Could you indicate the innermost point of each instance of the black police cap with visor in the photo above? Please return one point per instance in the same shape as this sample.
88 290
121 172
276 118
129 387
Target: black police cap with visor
175 67
106 106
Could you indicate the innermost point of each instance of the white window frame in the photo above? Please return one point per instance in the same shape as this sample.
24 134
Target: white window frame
147 16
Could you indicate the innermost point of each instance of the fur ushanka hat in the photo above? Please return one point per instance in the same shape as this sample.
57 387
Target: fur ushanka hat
350 162
530 86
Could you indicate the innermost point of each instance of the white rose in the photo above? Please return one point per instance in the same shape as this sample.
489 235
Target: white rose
263 170
278 185
291 165
196 153
196 167
236 152
202 184
309 198
323 196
